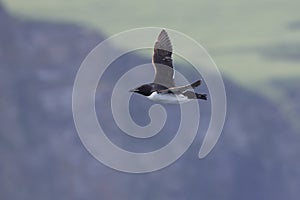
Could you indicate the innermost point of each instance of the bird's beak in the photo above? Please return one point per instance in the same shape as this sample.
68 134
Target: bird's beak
133 90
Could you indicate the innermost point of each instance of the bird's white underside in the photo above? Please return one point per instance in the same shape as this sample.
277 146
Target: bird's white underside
168 98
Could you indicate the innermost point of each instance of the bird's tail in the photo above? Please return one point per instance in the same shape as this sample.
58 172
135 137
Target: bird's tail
193 95
201 96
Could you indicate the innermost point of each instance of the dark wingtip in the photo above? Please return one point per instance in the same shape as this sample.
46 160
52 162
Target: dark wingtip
164 31
163 41
196 84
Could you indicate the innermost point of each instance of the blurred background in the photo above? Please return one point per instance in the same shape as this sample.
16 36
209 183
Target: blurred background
256 45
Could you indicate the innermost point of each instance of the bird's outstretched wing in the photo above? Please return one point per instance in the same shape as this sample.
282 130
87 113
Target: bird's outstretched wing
162 61
181 89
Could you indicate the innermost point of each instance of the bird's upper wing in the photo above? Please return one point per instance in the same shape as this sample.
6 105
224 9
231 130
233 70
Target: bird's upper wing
162 61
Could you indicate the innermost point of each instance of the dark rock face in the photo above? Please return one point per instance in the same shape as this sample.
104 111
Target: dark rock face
257 156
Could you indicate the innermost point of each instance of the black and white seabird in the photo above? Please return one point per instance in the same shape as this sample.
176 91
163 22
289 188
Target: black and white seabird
163 88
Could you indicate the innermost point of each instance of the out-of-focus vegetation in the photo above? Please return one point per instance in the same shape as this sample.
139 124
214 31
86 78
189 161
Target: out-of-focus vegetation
251 41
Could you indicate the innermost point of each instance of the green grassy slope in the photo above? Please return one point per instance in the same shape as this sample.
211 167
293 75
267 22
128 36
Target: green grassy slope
236 33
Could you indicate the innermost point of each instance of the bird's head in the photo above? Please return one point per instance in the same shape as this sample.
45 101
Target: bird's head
145 90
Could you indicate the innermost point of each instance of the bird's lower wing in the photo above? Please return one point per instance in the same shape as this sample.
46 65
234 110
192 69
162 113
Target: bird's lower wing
181 88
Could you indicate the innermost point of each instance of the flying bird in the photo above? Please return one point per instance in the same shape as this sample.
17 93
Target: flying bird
163 89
